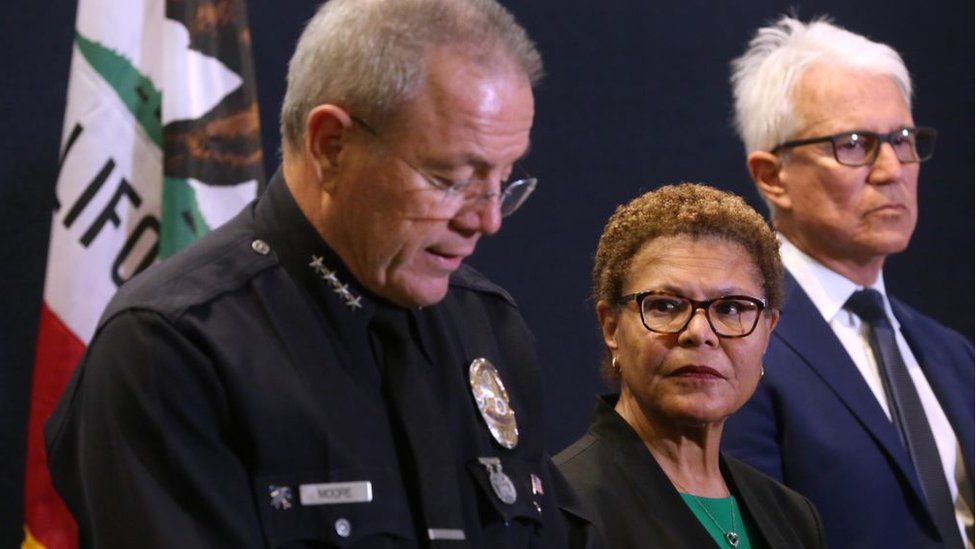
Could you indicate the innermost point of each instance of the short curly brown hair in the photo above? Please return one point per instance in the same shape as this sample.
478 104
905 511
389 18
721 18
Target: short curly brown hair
690 209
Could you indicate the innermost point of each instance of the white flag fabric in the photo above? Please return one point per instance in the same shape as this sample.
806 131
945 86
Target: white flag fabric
160 145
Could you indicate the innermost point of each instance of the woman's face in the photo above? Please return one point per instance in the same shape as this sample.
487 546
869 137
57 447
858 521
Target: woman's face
694 376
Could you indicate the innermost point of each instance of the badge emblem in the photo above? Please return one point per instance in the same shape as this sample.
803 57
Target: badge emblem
492 399
501 484
281 497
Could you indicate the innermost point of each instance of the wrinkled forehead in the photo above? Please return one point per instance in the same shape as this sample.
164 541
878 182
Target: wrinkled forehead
840 98
461 86
468 115
683 262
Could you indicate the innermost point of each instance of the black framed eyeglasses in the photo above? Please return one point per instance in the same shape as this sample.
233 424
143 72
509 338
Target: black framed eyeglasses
860 148
462 194
665 313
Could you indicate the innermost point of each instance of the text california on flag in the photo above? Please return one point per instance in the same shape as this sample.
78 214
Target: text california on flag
160 145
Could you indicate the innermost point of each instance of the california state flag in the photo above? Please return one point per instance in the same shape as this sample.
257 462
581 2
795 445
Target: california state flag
160 145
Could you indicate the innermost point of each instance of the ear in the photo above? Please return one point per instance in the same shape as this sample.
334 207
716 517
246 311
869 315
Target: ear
324 126
765 169
772 319
609 317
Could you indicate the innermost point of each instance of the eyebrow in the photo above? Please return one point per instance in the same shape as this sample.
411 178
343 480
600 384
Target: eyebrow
478 162
727 290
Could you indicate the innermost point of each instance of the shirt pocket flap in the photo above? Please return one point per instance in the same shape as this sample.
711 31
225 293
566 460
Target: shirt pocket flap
342 507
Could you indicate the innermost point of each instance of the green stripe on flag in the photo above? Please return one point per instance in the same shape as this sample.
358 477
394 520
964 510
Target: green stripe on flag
135 89
182 222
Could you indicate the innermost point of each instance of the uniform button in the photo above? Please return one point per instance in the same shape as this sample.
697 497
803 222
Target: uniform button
343 528
260 247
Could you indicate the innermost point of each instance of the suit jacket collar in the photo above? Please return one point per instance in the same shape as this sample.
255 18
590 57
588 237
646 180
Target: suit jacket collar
937 366
826 289
802 329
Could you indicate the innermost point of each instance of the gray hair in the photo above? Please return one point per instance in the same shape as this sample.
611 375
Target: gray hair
764 77
369 56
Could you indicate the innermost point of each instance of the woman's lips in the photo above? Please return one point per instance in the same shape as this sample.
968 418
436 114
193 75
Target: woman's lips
702 372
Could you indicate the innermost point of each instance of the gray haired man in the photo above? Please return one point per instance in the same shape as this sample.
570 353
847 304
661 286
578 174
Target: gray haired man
867 404
324 371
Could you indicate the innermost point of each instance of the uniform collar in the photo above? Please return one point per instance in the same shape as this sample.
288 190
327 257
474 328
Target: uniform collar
308 258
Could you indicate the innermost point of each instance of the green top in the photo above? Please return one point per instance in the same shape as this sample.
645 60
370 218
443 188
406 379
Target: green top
725 512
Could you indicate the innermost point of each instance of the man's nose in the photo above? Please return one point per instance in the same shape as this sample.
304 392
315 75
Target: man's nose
482 215
886 167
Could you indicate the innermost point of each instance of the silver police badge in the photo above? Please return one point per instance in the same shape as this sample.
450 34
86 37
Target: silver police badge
492 399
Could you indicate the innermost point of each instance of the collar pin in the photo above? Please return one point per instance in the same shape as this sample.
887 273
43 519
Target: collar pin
328 275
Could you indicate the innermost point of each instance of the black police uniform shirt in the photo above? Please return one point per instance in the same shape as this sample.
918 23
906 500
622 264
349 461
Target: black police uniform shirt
234 396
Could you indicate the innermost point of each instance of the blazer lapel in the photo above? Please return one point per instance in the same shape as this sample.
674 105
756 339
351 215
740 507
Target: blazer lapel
647 483
754 504
937 365
802 329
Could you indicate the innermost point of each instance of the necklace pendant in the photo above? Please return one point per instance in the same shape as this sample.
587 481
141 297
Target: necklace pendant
732 538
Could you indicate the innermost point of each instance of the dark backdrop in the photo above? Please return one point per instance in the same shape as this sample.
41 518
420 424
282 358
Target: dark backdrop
636 96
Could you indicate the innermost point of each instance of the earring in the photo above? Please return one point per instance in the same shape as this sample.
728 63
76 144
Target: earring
613 362
762 371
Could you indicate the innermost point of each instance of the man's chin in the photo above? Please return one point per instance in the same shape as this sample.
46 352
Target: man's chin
887 243
417 293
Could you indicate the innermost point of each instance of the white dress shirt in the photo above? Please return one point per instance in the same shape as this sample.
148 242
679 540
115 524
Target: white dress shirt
829 292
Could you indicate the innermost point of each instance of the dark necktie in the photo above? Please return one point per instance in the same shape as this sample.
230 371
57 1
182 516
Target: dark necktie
907 413
428 467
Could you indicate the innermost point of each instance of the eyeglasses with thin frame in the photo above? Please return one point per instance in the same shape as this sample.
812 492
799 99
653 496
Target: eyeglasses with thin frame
860 148
729 316
459 195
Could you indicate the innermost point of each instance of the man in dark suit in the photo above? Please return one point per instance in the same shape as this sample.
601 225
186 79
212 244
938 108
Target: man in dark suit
867 405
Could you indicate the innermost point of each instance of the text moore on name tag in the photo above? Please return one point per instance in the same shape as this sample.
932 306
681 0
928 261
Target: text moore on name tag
333 493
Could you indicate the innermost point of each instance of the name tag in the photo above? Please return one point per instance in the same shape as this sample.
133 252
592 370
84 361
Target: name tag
333 493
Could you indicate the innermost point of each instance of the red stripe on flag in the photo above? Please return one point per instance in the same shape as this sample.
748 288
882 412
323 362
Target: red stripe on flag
58 351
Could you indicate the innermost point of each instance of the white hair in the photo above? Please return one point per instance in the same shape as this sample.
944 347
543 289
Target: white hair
369 56
764 77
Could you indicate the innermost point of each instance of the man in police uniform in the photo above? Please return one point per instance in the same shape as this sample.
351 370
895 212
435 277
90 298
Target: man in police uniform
324 370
